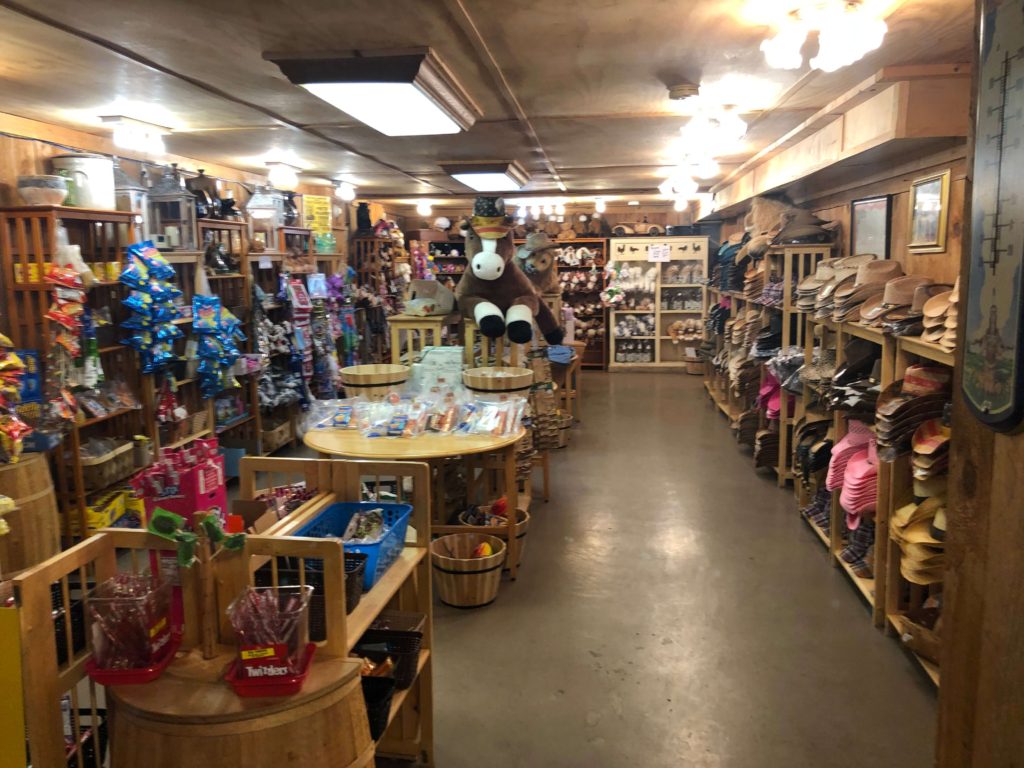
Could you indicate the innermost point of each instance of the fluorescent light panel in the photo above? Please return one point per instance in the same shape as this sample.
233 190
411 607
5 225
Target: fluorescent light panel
488 177
394 109
411 93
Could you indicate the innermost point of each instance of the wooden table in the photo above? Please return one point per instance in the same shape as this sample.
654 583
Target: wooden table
420 331
495 453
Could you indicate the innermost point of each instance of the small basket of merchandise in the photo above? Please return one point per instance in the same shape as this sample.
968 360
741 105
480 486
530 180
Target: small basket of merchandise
276 435
496 516
274 651
394 640
133 640
106 461
467 568
376 530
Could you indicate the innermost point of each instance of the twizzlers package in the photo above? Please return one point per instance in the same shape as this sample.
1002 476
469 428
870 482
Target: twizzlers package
272 624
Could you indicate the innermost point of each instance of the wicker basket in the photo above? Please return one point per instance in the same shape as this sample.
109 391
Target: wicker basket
104 471
464 581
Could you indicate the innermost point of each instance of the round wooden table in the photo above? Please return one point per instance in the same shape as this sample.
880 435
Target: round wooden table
499 453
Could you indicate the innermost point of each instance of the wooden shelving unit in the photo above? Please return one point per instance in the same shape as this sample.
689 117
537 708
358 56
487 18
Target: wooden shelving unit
595 354
668 297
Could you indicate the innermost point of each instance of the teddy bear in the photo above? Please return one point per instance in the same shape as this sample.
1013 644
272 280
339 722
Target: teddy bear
565 231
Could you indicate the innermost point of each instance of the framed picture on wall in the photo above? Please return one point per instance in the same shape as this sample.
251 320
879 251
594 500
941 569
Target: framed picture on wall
929 213
871 225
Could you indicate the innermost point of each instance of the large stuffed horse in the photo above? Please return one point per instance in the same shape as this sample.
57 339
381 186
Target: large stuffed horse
493 291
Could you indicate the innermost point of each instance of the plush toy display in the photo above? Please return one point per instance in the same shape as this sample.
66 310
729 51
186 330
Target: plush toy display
493 292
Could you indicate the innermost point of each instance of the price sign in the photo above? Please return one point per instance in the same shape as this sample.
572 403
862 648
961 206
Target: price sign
659 253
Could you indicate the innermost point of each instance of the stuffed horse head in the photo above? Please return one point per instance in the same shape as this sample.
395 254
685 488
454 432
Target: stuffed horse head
496 294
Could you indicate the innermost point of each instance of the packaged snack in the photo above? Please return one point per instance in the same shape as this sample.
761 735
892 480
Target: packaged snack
206 314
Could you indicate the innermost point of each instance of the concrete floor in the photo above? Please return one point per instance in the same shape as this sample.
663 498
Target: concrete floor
673 610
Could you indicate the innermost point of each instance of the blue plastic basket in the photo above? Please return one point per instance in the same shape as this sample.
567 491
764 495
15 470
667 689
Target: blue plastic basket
333 521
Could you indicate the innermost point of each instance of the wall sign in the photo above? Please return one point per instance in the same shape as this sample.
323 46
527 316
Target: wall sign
993 380
317 213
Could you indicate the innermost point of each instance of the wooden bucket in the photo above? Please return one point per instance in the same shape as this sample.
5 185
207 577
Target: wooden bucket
322 726
522 526
35 524
373 381
491 380
463 581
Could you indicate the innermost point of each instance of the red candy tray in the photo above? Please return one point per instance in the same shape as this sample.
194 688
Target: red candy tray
135 676
278 686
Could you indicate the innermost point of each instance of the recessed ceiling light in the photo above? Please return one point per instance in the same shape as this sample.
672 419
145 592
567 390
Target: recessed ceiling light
398 94
282 176
633 202
488 177
346 191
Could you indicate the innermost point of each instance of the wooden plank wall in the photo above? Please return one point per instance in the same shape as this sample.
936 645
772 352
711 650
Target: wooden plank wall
835 204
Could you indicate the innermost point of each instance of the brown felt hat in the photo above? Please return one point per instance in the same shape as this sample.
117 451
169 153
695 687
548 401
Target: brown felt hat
872 308
899 292
916 308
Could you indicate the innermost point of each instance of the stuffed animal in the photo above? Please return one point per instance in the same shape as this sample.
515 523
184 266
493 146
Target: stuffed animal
537 260
499 297
566 232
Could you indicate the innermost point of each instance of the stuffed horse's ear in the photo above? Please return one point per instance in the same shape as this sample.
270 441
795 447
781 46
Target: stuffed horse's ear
464 227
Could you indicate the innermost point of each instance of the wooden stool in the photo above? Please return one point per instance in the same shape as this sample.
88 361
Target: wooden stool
568 379
417 332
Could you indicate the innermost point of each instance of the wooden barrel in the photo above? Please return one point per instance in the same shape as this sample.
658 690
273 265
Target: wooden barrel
464 581
373 381
498 380
35 525
190 717
521 528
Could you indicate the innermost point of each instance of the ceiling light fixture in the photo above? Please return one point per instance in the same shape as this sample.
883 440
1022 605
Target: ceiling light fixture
560 209
488 177
562 187
633 202
282 176
137 135
847 30
411 93
680 204
423 208
599 205
346 191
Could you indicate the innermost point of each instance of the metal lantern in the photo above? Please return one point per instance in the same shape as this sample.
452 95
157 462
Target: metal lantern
172 212
266 206
132 195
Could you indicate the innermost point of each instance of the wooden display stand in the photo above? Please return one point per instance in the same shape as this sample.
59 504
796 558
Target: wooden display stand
635 251
190 704
410 334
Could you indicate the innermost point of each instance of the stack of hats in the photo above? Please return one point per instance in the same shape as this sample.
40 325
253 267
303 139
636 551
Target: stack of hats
921 394
857 437
898 295
727 259
941 316
746 426
753 281
800 226
812 448
766 448
857 552
769 338
869 283
931 450
754 323
815 293
859 497
920 531
904 321
855 385
769 396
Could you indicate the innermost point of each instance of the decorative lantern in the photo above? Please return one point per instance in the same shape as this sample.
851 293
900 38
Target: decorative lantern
132 195
172 212
266 206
